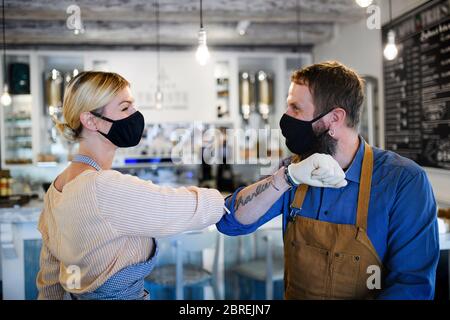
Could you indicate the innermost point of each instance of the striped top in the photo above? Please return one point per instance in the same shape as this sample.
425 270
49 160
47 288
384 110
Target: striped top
104 221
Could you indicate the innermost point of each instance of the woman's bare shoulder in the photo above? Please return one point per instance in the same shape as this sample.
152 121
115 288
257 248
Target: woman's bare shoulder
69 175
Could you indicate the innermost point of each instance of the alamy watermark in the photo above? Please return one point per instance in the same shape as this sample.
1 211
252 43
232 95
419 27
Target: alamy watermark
73 21
374 280
231 146
373 21
74 279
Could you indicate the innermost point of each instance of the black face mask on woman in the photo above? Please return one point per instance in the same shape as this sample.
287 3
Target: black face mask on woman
299 134
124 133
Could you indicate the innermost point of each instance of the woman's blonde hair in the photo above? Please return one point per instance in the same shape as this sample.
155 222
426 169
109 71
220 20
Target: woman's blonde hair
88 91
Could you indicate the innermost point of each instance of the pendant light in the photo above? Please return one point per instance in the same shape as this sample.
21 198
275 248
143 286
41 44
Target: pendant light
390 51
202 54
5 99
158 94
364 3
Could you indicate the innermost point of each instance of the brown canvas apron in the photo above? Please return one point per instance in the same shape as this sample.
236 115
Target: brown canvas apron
324 260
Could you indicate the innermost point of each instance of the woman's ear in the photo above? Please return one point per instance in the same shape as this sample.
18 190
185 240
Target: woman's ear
89 121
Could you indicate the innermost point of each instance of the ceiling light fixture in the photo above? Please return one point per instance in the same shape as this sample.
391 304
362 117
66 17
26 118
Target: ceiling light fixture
202 53
390 51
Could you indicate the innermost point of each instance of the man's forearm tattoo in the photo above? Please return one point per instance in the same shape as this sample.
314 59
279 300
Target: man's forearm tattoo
263 186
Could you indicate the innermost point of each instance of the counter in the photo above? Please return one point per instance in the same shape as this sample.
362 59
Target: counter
20 250
27 213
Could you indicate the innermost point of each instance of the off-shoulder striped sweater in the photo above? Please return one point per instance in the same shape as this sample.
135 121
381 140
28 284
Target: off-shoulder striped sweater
104 221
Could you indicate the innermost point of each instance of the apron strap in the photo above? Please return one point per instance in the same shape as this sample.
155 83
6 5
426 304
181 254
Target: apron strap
302 189
300 195
364 189
365 181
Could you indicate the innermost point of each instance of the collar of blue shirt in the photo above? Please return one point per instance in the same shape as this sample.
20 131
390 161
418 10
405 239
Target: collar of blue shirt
353 172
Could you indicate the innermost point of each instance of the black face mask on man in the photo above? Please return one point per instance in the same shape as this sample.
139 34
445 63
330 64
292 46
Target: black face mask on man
124 133
299 134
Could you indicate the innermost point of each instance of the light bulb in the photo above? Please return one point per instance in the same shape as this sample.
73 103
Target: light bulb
390 51
364 3
5 98
202 54
158 99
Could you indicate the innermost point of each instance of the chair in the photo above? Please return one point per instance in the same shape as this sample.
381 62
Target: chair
179 275
264 265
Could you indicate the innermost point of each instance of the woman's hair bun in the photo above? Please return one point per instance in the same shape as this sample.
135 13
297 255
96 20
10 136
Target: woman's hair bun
66 131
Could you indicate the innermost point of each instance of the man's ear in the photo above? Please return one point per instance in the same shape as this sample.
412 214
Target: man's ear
89 121
338 118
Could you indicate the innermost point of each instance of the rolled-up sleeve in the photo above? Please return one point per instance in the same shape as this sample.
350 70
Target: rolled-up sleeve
413 242
140 208
229 225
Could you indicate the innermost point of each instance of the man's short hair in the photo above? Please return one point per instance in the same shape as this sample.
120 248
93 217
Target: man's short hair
333 85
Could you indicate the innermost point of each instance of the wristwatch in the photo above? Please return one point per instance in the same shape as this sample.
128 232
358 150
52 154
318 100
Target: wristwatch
288 178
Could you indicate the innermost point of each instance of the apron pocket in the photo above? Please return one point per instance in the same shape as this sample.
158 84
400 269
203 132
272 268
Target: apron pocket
345 275
308 269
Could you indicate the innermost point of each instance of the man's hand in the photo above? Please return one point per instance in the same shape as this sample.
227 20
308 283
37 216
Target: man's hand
319 170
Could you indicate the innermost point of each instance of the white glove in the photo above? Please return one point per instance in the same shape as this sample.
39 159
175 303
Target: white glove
319 170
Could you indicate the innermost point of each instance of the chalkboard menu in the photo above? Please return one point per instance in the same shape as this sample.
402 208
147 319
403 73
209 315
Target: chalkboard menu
417 86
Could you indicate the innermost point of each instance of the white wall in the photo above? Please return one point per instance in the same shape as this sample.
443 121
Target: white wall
188 87
361 49
180 74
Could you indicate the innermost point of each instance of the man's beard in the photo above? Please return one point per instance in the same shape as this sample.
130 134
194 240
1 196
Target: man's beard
324 144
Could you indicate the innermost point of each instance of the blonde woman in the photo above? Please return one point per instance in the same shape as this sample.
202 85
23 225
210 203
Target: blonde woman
98 225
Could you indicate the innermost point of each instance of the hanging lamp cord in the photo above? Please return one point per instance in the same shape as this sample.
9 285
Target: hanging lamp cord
201 14
4 39
299 40
157 47
390 10
298 24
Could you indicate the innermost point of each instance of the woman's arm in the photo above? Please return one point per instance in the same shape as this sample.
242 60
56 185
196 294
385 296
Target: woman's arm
140 208
47 280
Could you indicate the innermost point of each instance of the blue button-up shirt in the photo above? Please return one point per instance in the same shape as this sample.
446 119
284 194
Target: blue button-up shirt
402 220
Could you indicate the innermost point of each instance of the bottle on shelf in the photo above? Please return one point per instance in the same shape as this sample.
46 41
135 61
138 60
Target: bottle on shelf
6 182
